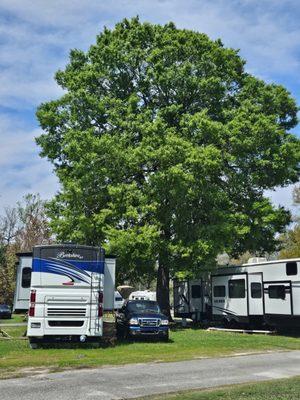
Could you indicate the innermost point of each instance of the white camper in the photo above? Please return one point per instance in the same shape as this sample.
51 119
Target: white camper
70 286
258 292
143 295
22 291
190 299
119 301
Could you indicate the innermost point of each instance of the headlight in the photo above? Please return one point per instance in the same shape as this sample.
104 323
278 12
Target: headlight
164 322
133 321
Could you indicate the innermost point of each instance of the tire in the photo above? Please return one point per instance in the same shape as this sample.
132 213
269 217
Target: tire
33 345
165 338
121 333
233 324
226 323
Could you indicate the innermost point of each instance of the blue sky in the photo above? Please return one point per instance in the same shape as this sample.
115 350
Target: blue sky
36 36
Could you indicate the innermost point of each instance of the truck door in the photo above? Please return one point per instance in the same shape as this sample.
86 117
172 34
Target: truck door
255 294
277 297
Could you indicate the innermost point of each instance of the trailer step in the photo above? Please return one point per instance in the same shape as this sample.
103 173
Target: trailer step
249 331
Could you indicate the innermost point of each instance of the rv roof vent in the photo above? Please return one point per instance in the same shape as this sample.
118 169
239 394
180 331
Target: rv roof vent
255 260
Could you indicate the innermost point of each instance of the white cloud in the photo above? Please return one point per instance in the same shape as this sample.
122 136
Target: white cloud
37 36
21 169
284 197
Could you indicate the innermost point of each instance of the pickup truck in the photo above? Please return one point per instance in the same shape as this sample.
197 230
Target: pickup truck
139 318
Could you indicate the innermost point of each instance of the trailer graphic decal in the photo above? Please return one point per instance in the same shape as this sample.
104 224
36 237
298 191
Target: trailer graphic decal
76 271
225 310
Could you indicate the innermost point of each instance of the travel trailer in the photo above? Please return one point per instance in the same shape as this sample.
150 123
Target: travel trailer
191 299
257 293
71 286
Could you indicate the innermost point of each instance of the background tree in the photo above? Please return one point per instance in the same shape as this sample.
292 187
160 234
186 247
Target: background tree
8 231
290 240
21 228
34 226
291 243
164 147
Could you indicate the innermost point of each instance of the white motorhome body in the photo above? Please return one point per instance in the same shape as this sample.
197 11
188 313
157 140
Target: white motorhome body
189 299
257 292
68 292
24 269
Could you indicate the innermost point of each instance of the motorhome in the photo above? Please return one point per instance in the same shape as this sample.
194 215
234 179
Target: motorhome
257 293
71 285
23 280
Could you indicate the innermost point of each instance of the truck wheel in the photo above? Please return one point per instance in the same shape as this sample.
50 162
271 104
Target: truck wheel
33 344
165 338
120 333
233 324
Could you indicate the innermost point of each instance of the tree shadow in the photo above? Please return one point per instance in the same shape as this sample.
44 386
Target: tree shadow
114 342
289 332
178 326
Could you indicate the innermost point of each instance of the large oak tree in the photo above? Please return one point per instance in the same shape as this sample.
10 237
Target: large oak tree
164 146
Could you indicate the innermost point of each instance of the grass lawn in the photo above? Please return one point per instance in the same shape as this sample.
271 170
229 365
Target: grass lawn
283 389
184 344
16 318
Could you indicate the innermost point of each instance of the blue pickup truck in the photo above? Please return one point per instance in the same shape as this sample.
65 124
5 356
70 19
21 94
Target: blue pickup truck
142 318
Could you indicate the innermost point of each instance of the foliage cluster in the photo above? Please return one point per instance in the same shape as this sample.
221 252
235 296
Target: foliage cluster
21 228
164 147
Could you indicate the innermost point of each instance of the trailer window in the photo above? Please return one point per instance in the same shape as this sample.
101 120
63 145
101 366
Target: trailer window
196 292
237 289
26 277
291 268
276 292
256 290
219 291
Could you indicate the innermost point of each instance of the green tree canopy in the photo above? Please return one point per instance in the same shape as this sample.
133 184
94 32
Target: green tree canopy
164 147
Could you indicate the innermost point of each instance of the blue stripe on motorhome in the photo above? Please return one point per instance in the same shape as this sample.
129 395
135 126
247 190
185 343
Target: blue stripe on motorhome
76 270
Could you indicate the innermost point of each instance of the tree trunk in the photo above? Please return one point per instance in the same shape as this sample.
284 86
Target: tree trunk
163 289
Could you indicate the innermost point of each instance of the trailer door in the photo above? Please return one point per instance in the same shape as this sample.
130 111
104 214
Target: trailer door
277 297
255 293
181 299
196 296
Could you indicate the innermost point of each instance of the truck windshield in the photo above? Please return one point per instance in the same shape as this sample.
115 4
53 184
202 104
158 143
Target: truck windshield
143 306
